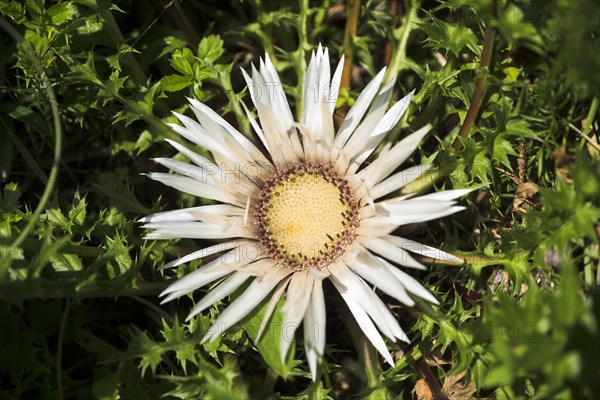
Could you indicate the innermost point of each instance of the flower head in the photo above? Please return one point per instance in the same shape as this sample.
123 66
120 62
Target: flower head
309 209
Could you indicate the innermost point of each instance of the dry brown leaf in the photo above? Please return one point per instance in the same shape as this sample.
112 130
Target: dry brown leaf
422 390
455 389
525 191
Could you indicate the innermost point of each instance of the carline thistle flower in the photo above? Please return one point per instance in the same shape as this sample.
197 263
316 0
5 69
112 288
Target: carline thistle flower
309 209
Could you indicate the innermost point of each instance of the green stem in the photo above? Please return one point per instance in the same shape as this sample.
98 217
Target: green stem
266 389
234 102
59 349
300 63
400 36
57 133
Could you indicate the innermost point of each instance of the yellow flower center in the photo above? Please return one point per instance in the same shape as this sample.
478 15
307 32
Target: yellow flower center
306 216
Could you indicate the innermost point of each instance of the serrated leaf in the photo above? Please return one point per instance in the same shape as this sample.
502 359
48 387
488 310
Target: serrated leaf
56 217
210 48
77 213
66 262
63 12
14 10
35 7
151 352
114 59
502 149
453 37
182 61
120 253
521 128
184 349
174 83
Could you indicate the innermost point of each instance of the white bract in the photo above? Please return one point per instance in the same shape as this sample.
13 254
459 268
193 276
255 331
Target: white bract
305 211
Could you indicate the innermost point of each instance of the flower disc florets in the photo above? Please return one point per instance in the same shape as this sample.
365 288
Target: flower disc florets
306 215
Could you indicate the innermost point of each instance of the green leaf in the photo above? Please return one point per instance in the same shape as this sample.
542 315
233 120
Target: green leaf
210 48
35 7
453 37
114 60
150 351
56 217
120 253
521 128
14 10
174 83
502 149
182 61
184 349
63 12
66 262
77 213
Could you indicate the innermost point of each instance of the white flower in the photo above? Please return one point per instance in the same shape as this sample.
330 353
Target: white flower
308 210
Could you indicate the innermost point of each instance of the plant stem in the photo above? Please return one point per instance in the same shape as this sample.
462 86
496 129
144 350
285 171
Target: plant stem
400 36
480 86
266 389
348 47
234 102
349 35
300 63
59 349
57 134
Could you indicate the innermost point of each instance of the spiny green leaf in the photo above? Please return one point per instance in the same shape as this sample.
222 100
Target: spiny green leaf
184 349
453 37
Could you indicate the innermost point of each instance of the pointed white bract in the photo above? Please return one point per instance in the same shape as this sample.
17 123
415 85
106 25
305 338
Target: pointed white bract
238 178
